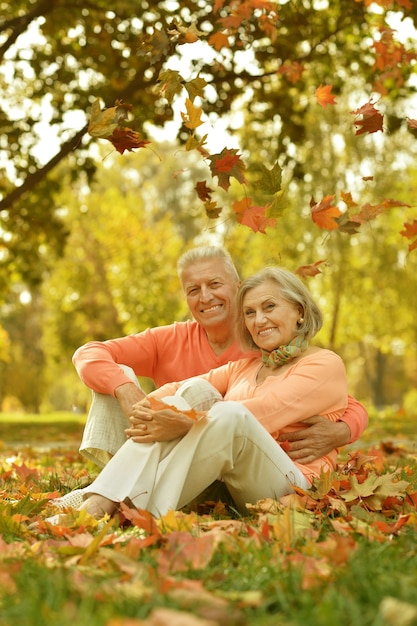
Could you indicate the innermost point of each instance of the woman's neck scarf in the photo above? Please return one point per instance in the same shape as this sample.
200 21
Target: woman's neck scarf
284 354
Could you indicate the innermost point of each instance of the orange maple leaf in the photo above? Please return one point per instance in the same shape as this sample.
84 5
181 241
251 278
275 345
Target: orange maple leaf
309 270
253 216
371 211
292 70
347 198
410 231
219 41
323 95
159 405
324 213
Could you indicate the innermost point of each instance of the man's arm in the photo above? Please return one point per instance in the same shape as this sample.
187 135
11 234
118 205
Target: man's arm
128 395
321 435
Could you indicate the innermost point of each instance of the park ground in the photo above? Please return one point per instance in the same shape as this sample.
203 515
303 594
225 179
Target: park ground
343 553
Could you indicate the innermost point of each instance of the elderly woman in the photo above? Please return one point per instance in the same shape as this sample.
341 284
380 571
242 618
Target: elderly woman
170 456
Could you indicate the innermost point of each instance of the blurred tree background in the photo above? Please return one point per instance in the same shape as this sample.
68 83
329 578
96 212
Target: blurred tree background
89 237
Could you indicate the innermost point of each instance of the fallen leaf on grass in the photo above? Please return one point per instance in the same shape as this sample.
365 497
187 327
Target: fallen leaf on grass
395 612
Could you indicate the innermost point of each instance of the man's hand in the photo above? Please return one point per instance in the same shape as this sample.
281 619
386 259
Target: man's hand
149 425
318 438
128 395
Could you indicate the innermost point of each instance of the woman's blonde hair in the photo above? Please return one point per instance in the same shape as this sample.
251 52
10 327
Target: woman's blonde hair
292 290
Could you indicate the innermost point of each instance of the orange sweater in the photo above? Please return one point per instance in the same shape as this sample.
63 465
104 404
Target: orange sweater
165 354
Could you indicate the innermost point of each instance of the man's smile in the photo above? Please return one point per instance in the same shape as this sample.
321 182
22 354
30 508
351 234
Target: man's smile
212 308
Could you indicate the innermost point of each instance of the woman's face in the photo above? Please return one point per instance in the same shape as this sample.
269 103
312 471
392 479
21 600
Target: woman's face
270 319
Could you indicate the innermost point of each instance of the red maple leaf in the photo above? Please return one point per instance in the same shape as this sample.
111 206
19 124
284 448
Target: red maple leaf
126 139
371 121
203 191
323 95
226 164
324 214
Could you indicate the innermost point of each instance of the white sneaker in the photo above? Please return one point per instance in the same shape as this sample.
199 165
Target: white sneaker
73 500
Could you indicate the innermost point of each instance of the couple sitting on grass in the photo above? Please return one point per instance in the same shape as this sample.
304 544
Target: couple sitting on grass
250 380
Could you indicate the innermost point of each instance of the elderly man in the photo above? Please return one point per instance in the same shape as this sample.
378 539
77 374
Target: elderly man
182 350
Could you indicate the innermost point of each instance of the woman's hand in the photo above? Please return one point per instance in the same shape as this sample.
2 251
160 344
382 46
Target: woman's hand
149 425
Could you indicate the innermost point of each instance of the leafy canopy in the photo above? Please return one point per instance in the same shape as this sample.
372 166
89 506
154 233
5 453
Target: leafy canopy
90 72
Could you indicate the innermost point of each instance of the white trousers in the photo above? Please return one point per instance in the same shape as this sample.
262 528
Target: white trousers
228 444
104 431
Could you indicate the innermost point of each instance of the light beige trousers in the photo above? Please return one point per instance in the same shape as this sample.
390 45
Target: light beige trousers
228 444
104 431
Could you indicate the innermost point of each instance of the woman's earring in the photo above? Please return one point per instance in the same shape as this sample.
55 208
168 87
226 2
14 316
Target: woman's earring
301 320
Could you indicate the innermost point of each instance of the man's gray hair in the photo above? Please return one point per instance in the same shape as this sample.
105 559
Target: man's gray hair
207 253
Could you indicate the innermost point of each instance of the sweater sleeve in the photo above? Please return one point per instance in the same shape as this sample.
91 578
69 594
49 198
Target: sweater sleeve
356 417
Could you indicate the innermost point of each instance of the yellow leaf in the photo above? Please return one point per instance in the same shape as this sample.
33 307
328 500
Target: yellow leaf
192 119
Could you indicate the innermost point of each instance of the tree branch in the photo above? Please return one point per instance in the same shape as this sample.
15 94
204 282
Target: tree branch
18 25
33 179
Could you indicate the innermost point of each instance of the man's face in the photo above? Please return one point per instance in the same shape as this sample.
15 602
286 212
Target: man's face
210 292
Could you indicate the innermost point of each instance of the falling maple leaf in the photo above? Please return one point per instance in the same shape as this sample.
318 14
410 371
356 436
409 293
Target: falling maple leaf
106 124
203 191
369 212
195 87
103 123
183 34
410 232
197 144
192 119
154 45
324 214
371 121
172 84
212 209
269 180
323 95
126 139
226 164
253 216
219 41
309 270
292 70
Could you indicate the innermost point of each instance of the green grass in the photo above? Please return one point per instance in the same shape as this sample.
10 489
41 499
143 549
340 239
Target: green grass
34 429
263 582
